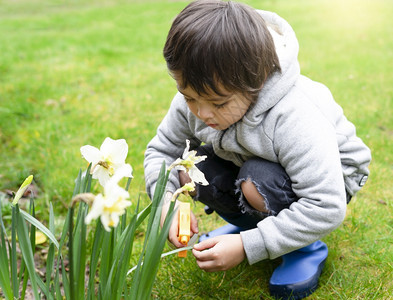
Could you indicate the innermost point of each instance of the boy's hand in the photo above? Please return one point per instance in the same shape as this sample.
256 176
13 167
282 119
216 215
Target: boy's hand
219 253
173 235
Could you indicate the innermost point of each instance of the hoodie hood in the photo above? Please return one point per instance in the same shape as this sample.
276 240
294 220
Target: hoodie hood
279 83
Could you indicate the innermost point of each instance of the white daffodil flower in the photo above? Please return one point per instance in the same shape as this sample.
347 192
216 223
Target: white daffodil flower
187 163
106 160
112 204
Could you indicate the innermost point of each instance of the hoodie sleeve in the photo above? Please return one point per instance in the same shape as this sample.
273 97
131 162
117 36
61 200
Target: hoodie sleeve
306 147
168 145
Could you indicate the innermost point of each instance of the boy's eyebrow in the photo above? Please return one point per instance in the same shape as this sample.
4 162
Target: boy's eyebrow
214 99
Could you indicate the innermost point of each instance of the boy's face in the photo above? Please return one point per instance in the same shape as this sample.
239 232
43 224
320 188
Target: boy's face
216 111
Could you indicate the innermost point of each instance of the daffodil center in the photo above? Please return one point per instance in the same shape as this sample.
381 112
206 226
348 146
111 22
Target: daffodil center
187 163
116 207
107 164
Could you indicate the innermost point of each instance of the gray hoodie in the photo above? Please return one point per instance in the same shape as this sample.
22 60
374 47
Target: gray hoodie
295 122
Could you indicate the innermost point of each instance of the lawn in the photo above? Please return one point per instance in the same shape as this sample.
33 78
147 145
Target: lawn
75 72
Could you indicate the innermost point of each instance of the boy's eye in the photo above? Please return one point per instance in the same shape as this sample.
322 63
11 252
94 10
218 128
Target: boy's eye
188 99
220 105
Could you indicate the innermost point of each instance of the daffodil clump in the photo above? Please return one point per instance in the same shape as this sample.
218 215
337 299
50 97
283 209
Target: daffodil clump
113 234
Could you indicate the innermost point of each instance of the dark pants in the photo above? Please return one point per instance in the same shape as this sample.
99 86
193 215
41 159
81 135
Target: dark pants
224 195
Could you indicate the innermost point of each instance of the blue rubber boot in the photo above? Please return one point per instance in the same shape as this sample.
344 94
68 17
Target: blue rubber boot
226 229
297 276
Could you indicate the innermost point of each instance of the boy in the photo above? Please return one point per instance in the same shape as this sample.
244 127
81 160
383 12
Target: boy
282 159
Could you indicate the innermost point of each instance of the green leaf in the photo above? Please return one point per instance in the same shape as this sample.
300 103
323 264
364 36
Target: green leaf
94 258
32 228
66 282
86 182
57 286
106 261
124 259
27 252
71 254
51 252
43 288
143 214
151 235
23 272
77 184
65 228
81 259
128 183
14 276
50 261
40 226
60 259
152 258
5 282
51 219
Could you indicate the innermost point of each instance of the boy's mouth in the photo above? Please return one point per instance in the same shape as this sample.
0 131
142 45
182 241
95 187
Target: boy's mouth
212 125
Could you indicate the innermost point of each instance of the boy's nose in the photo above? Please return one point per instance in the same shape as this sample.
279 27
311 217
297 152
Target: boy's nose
205 111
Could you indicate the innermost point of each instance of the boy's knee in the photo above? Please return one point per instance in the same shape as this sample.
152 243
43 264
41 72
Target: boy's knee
253 196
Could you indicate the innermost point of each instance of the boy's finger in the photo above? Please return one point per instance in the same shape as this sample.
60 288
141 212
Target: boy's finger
173 233
194 223
208 266
206 244
201 255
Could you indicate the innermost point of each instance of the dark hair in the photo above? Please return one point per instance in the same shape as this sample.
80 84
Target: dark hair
213 42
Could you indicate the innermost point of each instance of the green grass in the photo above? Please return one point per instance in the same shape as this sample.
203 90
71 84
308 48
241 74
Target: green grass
73 72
